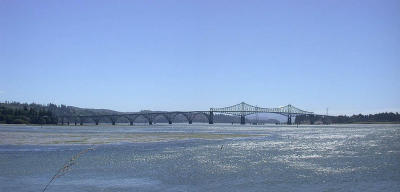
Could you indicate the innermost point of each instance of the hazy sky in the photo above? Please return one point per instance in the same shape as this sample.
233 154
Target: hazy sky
193 55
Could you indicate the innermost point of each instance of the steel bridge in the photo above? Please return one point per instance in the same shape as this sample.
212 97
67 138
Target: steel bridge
242 110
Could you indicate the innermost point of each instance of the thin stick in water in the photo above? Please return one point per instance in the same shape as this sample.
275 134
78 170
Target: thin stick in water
67 166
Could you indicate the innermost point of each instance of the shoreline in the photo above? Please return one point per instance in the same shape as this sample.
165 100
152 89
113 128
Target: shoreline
34 138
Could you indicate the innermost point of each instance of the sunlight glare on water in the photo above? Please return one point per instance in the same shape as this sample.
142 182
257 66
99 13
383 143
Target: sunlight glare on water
264 158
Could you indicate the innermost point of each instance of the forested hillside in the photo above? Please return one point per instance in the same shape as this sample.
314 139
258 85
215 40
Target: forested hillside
371 118
24 113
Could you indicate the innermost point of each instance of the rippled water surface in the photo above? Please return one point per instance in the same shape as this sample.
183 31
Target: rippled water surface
202 158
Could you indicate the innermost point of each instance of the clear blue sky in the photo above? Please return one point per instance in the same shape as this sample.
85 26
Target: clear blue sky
192 55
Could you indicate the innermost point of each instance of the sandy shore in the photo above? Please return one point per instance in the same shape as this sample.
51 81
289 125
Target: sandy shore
33 138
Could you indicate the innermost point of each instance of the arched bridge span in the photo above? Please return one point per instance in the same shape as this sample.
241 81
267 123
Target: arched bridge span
242 109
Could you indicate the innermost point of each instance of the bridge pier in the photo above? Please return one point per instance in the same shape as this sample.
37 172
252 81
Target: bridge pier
289 120
211 118
96 120
131 119
312 119
68 123
113 119
81 120
149 118
189 116
169 117
242 119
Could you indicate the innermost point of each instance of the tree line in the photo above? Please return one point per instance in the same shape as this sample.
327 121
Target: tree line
26 115
387 117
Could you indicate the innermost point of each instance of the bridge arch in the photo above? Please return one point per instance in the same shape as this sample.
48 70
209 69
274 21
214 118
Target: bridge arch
170 117
179 114
203 114
97 119
131 118
165 116
119 118
135 117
